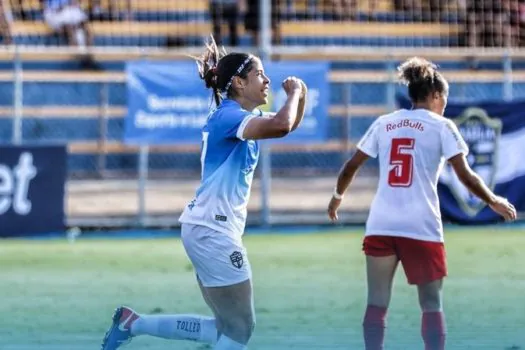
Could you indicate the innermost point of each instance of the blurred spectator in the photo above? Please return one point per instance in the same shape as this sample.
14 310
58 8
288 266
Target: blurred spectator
6 19
436 9
96 12
66 16
344 9
175 41
225 11
404 6
521 20
488 23
429 10
313 9
348 9
18 10
516 22
251 20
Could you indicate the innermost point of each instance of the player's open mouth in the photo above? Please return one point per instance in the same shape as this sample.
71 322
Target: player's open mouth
265 92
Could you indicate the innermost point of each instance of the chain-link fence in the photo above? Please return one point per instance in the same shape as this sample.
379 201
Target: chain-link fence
297 23
86 111
51 94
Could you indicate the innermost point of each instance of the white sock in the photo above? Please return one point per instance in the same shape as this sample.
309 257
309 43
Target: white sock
182 327
225 343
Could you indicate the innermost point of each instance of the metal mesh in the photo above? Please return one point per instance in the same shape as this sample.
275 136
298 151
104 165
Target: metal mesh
62 102
388 23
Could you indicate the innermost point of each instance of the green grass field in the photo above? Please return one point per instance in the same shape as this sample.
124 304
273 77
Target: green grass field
310 291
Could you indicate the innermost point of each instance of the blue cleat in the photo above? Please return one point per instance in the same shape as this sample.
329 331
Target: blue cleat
120 332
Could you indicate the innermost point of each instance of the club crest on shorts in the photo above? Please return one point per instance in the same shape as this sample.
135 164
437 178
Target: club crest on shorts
482 134
237 259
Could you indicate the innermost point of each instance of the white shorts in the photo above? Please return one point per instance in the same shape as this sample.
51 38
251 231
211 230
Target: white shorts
69 15
219 259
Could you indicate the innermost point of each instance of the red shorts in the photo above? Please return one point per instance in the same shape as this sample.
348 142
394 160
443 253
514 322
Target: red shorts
422 261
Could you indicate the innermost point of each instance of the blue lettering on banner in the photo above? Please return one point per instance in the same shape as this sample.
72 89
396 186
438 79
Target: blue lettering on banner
169 104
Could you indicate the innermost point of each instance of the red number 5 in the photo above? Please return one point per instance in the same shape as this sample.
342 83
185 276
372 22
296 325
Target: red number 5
403 163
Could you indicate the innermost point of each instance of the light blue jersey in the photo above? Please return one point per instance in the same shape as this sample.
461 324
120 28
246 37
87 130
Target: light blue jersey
228 163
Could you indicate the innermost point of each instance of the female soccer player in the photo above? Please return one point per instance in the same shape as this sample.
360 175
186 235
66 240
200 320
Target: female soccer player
404 223
213 222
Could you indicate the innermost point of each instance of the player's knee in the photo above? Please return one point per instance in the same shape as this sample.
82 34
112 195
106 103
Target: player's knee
431 305
379 298
240 327
430 300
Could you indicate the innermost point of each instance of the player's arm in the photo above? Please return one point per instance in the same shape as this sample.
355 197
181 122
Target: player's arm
345 178
455 150
301 107
367 147
282 122
5 23
475 184
349 170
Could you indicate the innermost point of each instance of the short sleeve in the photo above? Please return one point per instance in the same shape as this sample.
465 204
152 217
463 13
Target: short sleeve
369 143
452 143
234 122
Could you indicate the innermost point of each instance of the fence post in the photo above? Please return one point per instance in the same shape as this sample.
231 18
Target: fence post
103 128
391 86
142 182
265 35
507 77
143 165
18 99
347 100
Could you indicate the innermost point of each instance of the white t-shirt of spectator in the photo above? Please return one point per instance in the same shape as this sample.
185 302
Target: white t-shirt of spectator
59 13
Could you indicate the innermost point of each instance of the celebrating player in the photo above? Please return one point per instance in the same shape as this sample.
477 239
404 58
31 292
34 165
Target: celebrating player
213 222
404 223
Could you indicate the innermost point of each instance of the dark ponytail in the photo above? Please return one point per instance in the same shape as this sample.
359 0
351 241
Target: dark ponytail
207 65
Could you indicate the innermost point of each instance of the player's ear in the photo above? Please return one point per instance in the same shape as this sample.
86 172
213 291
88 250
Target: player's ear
238 82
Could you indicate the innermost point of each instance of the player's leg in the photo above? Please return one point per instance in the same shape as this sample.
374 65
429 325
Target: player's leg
425 266
207 299
234 305
433 326
216 20
232 16
203 248
224 272
127 323
381 263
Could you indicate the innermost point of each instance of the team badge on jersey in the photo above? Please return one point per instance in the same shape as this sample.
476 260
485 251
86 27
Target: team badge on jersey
482 134
237 259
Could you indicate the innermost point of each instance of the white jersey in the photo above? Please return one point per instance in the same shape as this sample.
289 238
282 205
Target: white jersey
412 146
228 164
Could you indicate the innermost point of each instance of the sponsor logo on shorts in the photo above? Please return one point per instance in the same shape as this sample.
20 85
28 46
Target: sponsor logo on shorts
236 259
222 218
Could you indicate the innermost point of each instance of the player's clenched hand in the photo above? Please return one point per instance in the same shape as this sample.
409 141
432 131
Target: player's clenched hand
292 84
332 208
504 208
304 89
